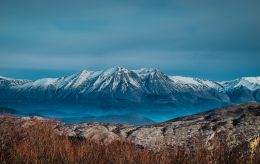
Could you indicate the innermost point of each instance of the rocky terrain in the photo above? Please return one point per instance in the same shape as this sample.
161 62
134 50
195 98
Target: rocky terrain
234 124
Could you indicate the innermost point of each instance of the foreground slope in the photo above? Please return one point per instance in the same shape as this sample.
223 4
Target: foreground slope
234 124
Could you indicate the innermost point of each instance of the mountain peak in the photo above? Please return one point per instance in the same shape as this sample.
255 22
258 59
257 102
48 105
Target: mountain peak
119 68
148 70
120 86
84 72
252 83
116 69
145 72
254 80
113 71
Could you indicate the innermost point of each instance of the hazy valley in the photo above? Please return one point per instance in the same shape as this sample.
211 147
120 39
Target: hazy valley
123 96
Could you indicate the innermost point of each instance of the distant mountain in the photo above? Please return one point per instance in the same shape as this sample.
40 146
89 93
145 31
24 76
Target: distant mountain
243 89
5 110
119 87
251 83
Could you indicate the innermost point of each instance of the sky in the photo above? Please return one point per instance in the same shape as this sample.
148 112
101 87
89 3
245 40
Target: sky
218 40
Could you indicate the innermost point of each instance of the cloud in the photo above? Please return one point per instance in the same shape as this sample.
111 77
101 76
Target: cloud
170 35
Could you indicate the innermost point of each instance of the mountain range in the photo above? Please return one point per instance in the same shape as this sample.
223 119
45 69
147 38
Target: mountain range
119 87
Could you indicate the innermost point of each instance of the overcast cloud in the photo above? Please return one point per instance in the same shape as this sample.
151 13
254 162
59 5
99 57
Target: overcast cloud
209 39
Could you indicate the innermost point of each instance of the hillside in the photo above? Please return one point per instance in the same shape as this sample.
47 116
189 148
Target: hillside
239 123
226 135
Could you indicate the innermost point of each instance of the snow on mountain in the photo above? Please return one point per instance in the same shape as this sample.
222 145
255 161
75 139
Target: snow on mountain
99 80
76 80
81 78
4 78
113 79
145 72
252 83
119 86
116 76
254 80
44 82
156 82
9 82
195 83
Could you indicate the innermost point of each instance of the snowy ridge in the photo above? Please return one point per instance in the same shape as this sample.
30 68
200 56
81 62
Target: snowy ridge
81 78
251 83
113 78
10 82
44 82
144 72
119 86
119 75
4 78
196 83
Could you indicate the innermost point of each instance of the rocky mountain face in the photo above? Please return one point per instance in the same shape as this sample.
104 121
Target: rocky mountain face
118 87
234 124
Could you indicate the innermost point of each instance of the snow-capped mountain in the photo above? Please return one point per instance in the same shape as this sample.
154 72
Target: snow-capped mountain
195 83
251 83
243 89
120 87
9 82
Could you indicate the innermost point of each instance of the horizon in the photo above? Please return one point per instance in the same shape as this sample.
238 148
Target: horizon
68 73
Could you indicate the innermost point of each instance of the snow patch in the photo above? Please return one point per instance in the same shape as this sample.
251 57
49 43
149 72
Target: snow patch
252 83
45 82
195 83
5 78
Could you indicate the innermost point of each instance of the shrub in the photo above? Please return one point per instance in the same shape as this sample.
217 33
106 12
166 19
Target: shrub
38 143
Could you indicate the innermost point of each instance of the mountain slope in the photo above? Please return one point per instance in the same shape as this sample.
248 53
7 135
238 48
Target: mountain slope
242 89
234 125
251 83
119 87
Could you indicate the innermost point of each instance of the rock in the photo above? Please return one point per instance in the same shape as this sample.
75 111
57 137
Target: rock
234 124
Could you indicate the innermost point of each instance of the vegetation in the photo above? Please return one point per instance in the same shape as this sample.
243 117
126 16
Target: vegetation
38 143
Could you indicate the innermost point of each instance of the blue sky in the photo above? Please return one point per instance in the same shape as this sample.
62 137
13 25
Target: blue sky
218 40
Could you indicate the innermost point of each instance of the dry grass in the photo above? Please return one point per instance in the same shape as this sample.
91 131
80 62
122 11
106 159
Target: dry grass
39 144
